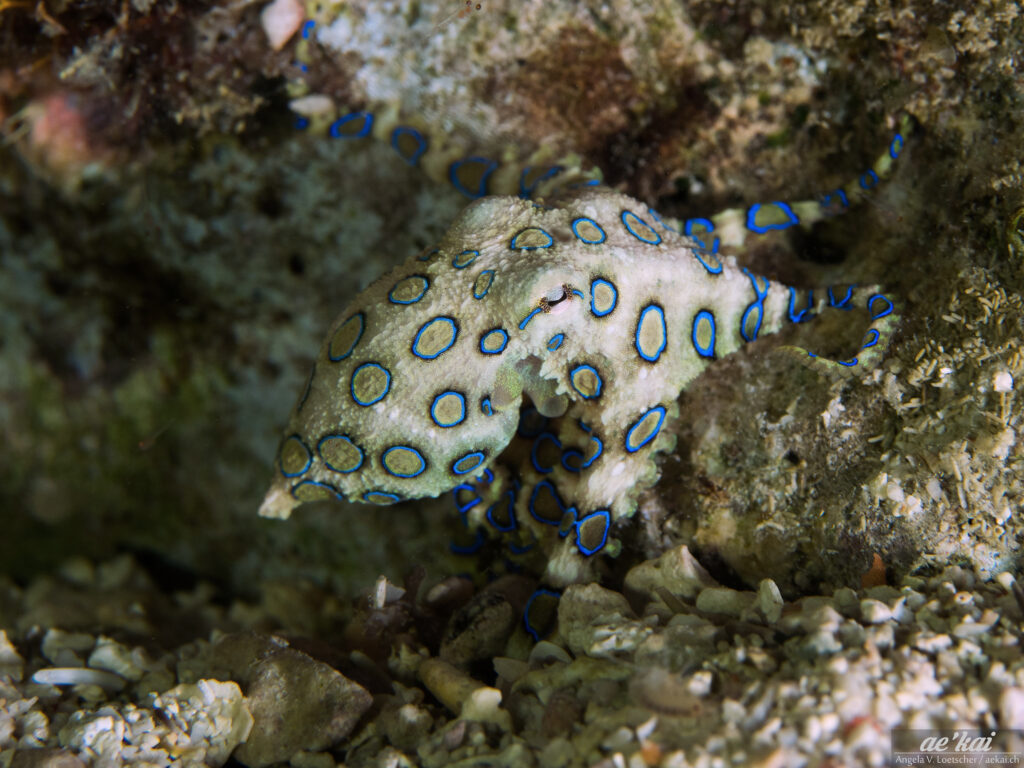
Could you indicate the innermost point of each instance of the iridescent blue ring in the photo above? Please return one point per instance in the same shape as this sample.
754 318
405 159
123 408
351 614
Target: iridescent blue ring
660 410
481 190
456 422
504 341
316 484
615 297
868 179
366 117
387 384
309 457
598 513
421 143
753 226
882 313
631 220
442 319
709 350
593 370
515 247
415 473
575 231
709 229
651 358
478 458
460 263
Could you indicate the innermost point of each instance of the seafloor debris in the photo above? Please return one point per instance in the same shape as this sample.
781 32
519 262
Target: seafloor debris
679 671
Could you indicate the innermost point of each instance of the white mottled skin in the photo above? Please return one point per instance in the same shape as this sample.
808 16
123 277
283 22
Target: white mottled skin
667 273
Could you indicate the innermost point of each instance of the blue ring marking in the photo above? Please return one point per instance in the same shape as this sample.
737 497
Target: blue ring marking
536 447
416 341
827 199
514 247
596 514
753 226
844 303
499 350
572 454
421 143
757 303
462 509
526 192
486 408
486 477
664 333
469 549
307 28
848 363
884 312
426 286
896 146
874 339
578 293
490 282
519 549
316 484
301 123
654 239
462 415
415 473
382 497
302 67
596 456
709 350
555 341
660 410
528 318
429 255
511 525
387 383
530 630
799 317
458 262
359 336
868 175
615 297
591 222
348 440
754 305
366 117
697 255
309 457
453 175
709 228
593 370
546 485
478 456
582 424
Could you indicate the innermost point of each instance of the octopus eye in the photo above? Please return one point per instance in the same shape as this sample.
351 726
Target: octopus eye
555 297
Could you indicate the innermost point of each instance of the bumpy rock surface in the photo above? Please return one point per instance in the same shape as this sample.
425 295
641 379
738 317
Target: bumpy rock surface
734 676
